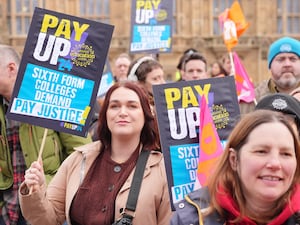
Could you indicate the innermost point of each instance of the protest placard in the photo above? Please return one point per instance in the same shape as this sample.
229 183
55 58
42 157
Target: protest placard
60 72
178 113
151 26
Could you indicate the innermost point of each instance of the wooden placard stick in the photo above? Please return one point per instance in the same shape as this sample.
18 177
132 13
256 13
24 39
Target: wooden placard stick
40 159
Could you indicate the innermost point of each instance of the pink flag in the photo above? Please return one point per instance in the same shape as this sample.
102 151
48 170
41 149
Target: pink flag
210 145
244 86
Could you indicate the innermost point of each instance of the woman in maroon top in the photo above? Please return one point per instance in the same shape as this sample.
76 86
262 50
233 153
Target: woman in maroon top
92 185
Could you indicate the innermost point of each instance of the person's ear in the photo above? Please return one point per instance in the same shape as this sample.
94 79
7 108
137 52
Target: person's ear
233 158
182 74
12 69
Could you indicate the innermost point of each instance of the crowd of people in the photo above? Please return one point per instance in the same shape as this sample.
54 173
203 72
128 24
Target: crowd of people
87 181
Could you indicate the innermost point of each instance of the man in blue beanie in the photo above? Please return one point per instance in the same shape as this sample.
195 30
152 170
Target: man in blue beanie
284 65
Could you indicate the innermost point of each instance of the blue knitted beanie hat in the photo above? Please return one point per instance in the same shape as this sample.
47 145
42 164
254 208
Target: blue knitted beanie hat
283 45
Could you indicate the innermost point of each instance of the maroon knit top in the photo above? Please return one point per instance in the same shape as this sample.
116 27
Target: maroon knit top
94 201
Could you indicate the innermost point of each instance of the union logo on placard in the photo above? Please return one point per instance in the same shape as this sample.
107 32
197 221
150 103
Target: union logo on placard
220 116
82 55
161 15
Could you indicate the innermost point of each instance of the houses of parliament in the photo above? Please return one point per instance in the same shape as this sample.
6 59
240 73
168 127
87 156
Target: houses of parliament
195 25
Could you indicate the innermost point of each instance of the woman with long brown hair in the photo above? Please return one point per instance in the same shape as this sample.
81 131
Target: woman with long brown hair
92 185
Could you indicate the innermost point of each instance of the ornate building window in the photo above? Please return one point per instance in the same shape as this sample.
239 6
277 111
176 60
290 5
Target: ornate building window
19 15
97 10
288 16
218 7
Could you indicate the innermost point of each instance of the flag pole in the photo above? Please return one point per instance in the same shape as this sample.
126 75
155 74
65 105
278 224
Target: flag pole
232 72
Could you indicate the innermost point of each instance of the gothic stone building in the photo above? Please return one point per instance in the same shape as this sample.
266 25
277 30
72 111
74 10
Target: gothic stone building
195 24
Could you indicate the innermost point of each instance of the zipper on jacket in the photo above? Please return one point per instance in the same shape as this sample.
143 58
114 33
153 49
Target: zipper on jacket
30 133
2 140
1 136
